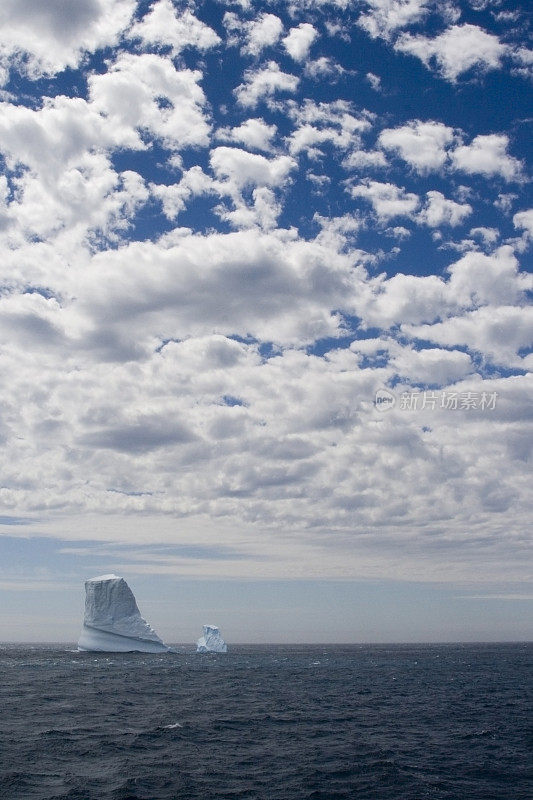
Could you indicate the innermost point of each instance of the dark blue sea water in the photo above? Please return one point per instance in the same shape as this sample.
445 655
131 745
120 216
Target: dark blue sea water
380 722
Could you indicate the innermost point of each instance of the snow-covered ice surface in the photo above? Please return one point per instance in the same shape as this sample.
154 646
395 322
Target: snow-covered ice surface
211 641
113 622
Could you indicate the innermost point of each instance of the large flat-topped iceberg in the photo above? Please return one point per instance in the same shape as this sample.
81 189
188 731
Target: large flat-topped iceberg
211 641
113 622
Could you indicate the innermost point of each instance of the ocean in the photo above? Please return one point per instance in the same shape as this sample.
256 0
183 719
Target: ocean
268 722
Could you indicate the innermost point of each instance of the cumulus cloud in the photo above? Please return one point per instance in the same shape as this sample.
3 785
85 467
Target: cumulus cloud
264 83
255 35
323 67
254 133
385 17
488 236
365 159
246 169
307 138
194 319
335 123
387 199
487 155
61 131
441 211
504 201
432 146
235 283
475 280
162 26
262 32
175 196
64 180
478 279
404 299
129 94
498 333
423 145
261 210
239 173
457 50
51 40
262 463
432 365
524 220
374 81
523 58
299 40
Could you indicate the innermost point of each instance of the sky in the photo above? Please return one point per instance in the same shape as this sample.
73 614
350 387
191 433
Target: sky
265 321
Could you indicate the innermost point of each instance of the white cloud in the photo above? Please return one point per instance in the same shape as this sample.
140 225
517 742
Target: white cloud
403 299
431 365
52 39
340 232
59 133
307 137
523 56
455 51
421 144
263 32
441 211
374 80
162 26
90 199
499 333
235 27
479 279
320 181
475 280
524 220
137 379
323 67
235 283
130 94
30 320
68 186
253 133
399 232
505 201
385 17
487 155
365 159
174 197
319 123
478 307
250 169
337 112
488 236
388 200
264 82
261 211
239 475
299 40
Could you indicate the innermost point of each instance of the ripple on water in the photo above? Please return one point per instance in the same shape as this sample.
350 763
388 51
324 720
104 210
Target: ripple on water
280 723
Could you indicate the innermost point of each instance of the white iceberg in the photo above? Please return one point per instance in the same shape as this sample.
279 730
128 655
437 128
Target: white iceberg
113 622
211 641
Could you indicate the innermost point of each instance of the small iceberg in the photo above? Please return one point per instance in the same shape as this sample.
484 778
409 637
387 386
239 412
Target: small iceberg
211 641
113 622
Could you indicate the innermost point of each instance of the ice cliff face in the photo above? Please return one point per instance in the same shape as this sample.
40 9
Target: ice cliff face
112 621
211 641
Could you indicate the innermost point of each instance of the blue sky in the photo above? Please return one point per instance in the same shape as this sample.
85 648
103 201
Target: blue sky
227 228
